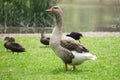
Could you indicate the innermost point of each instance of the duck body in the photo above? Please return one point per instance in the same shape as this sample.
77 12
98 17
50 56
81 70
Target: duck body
69 50
13 46
44 39
5 45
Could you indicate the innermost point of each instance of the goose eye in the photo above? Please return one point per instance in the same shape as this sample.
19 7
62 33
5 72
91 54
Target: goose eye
55 7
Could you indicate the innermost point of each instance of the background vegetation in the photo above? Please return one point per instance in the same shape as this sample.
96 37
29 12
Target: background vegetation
40 63
24 16
26 13
91 15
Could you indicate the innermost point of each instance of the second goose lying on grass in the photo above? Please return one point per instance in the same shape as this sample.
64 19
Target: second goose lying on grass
69 50
12 45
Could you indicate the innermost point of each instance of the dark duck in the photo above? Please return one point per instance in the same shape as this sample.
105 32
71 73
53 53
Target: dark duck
75 35
44 39
10 44
8 39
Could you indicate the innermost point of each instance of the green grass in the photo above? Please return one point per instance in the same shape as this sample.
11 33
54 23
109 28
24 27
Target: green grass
40 63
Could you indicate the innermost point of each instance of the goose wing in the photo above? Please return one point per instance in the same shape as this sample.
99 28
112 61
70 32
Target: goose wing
68 56
73 46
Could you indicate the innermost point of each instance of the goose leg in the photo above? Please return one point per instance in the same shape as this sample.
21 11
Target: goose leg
74 67
66 67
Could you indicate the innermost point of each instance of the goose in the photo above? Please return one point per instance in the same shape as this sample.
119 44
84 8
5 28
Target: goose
44 39
75 35
70 51
12 45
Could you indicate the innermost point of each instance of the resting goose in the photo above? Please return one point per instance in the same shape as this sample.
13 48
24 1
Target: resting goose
44 39
69 50
12 45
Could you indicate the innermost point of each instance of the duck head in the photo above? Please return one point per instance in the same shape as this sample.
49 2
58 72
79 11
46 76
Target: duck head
9 39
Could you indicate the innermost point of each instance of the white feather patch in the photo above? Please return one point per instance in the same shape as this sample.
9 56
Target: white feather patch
81 57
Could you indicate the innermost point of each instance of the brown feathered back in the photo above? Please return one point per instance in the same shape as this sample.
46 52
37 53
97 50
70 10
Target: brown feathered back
12 45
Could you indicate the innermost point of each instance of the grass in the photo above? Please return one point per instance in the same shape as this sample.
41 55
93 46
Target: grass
40 63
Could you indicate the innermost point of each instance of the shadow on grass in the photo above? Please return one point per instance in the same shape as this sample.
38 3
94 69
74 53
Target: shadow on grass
62 71
44 47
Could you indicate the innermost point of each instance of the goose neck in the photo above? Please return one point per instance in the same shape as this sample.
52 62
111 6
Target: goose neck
58 17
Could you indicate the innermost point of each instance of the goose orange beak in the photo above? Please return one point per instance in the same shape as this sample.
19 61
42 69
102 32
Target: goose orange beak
49 10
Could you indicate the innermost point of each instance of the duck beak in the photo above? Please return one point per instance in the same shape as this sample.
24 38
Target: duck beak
49 10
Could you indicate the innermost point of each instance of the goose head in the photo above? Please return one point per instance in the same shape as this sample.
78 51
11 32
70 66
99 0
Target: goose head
57 12
55 9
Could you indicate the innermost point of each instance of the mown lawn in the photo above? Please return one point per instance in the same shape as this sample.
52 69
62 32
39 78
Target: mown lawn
41 63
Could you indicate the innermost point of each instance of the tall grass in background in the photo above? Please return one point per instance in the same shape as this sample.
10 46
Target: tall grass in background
29 13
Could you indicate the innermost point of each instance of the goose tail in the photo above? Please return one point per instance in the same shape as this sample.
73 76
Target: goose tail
91 57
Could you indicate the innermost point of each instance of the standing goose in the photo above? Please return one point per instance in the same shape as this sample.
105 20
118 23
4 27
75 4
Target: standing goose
69 50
